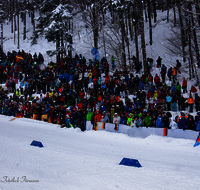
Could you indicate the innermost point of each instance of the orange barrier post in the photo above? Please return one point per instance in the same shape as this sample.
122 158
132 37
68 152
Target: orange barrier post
164 131
103 125
96 126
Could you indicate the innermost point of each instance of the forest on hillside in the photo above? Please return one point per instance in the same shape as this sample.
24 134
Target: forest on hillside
117 26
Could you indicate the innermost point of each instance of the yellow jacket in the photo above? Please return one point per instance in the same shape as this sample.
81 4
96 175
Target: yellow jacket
18 93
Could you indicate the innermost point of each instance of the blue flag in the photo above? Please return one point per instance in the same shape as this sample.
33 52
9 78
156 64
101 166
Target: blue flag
197 142
95 53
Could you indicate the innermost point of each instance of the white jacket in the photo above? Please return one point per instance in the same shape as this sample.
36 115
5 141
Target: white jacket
116 119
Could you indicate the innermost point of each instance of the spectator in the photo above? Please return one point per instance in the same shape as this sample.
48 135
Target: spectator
159 60
197 121
182 122
159 121
157 80
138 121
116 119
190 102
130 119
147 120
168 102
191 123
169 73
184 85
163 72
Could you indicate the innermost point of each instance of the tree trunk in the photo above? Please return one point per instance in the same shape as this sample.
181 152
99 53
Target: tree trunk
11 15
70 40
168 10
17 30
182 31
57 47
18 25
136 42
154 11
197 10
24 37
174 10
129 23
190 50
2 36
143 44
123 34
145 10
95 26
33 18
150 24
195 37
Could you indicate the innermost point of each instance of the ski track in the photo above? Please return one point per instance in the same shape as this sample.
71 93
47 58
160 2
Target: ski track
71 159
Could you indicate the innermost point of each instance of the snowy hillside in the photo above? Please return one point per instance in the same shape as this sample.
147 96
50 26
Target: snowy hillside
82 41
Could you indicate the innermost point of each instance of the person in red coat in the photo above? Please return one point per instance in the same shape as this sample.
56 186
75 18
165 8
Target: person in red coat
157 80
184 85
98 116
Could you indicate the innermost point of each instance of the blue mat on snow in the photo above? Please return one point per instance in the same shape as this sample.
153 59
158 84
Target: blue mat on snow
130 162
36 143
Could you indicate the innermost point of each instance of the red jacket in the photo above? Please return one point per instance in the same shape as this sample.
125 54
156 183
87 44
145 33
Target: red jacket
184 83
156 79
98 117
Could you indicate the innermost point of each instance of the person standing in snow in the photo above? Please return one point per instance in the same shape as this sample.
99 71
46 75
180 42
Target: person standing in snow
159 60
116 119
190 102
163 73
169 73
182 122
159 121
184 85
157 80
168 102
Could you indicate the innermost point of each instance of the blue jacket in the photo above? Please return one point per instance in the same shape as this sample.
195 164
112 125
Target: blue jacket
198 125
123 120
141 86
182 123
138 122
168 98
23 83
159 122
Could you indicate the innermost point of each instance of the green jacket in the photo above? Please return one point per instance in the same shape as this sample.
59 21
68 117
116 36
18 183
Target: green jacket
18 93
147 120
89 116
129 121
178 87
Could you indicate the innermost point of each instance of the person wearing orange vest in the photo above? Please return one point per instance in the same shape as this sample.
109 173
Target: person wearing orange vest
174 73
190 102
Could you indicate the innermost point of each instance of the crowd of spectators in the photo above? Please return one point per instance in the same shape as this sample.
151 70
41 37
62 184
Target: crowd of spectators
74 91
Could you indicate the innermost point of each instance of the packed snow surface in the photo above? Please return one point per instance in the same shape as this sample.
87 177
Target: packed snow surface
74 160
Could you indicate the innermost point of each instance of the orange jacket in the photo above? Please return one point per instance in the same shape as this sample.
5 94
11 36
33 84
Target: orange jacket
190 100
173 71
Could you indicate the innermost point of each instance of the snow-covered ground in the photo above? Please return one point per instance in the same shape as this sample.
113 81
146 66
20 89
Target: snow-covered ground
74 160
